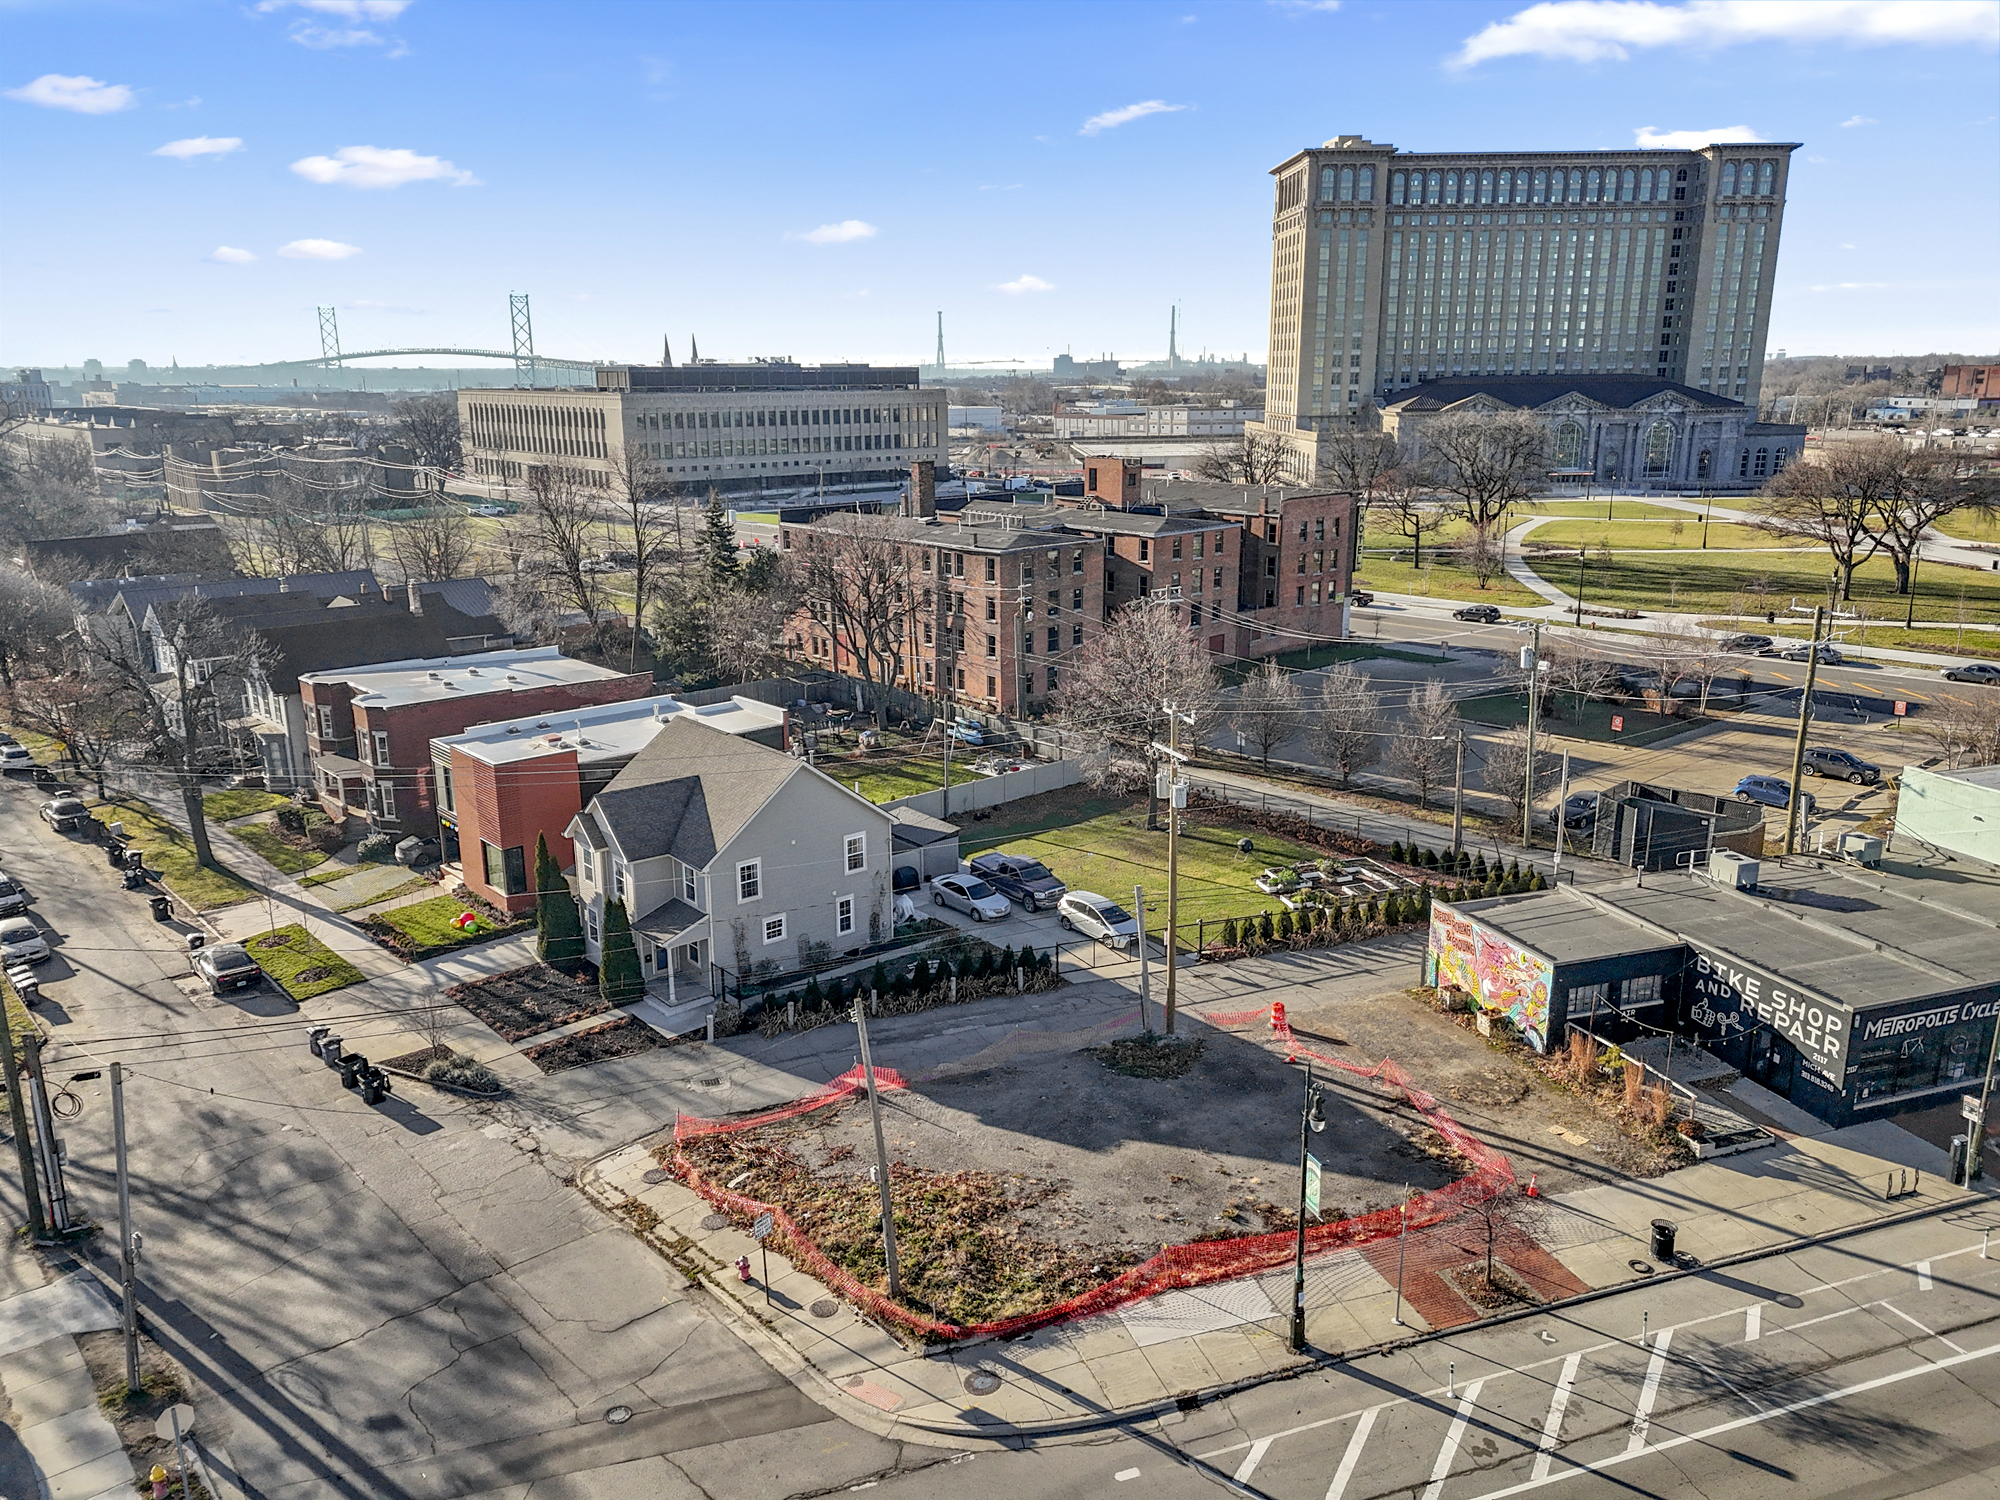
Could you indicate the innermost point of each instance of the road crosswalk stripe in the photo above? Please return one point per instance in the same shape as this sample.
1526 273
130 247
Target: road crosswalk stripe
1642 1415
1453 1436
1251 1459
1552 1424
1353 1454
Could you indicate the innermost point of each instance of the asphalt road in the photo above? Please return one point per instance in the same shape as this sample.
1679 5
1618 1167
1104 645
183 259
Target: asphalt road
397 1302
1859 1371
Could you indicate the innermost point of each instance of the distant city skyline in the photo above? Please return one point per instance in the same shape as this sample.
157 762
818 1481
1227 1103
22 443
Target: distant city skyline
189 182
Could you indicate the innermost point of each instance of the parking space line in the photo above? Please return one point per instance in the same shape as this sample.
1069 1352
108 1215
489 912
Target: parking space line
1453 1436
1923 1276
1642 1415
1353 1454
1253 1458
1956 1349
1753 1322
1552 1424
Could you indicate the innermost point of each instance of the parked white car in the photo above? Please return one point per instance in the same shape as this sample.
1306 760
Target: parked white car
16 758
21 941
968 893
1098 917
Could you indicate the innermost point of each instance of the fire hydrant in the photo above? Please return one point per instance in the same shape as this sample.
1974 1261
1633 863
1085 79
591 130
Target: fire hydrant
159 1478
742 1268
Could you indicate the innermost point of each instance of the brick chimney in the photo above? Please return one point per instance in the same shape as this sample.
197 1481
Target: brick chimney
416 597
1112 481
923 488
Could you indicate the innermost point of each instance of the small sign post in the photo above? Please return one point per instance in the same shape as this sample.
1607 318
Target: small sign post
1902 708
1618 723
1969 1106
761 1233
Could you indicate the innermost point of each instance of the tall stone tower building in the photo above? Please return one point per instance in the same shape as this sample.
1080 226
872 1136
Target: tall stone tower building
1391 268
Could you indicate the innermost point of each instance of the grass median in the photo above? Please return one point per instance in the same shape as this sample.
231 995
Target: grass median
424 929
286 857
170 852
300 963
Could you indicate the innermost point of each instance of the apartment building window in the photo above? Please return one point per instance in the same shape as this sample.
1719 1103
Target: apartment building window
774 929
1076 599
1055 638
992 648
1271 566
386 800
506 869
1177 547
325 711
381 738
992 608
992 570
445 798
1052 679
1076 635
992 687
1076 561
617 878
1302 562
843 915
590 922
687 884
1301 600
857 852
750 880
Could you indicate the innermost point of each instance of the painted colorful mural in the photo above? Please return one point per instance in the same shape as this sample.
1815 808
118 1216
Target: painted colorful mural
1501 976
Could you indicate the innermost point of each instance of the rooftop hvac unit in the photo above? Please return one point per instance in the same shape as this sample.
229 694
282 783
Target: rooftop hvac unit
1862 848
1733 869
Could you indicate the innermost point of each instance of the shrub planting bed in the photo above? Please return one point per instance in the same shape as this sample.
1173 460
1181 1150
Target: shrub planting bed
425 929
620 1038
958 974
300 963
527 1001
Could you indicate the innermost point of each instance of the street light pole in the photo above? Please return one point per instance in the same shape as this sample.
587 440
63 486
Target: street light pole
1910 618
1312 1118
1534 665
881 1151
1795 801
1581 556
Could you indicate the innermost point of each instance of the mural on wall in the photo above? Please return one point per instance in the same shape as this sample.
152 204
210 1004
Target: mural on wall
1500 975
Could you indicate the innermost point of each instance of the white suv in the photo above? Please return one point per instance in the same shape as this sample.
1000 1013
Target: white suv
21 941
1098 917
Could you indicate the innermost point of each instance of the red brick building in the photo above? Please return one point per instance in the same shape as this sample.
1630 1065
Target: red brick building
1971 380
370 728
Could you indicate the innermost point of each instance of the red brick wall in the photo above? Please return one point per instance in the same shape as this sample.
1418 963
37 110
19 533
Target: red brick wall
511 805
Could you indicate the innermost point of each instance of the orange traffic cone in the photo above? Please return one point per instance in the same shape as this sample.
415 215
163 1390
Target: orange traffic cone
1531 1190
1277 1015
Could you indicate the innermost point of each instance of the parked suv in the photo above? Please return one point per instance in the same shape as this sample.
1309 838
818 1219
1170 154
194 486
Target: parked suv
1020 878
16 758
1479 614
1772 791
1821 761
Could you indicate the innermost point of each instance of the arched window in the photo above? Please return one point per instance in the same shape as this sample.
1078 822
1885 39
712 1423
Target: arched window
1626 185
1701 464
1763 464
1778 457
1659 449
1541 187
1728 188
1366 191
1646 186
1575 185
1485 187
1569 445
1451 187
1326 184
1434 187
1347 184
1397 181
1767 178
1592 185
1506 186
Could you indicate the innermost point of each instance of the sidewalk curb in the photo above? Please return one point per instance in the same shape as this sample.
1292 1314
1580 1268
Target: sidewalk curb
813 1382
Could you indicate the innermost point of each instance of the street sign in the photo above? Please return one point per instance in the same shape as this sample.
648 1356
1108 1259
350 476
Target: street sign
762 1227
1312 1184
1902 709
1617 723
164 1428
1968 1106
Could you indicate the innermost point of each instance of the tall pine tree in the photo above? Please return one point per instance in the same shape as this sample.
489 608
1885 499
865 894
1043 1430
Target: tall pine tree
618 976
558 929
717 545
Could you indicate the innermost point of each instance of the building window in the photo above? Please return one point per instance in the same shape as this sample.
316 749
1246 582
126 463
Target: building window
1076 635
1659 449
325 711
1569 445
857 852
1763 463
687 884
843 915
1642 989
750 880
1728 188
590 923
774 929
992 686
381 747
1586 1000
506 869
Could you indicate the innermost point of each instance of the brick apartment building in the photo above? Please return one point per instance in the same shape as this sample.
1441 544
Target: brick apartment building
1982 381
370 728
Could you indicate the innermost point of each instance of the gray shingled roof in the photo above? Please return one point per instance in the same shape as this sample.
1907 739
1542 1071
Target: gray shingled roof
1619 392
689 792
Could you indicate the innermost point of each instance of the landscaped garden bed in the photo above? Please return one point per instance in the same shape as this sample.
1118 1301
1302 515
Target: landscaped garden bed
527 1001
170 852
446 1069
300 963
425 929
623 1037
956 973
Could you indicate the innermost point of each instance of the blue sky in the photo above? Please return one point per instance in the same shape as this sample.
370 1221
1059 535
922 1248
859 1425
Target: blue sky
818 179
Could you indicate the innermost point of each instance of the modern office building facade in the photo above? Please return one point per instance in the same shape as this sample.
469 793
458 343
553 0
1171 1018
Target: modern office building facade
733 427
1390 269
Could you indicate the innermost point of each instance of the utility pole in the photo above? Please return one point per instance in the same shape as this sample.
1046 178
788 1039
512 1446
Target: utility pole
1975 1154
881 1151
17 1111
128 1250
1562 809
1532 660
1793 801
947 750
1458 799
1175 793
45 1137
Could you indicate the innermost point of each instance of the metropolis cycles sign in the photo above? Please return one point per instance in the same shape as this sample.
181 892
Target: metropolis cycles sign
1729 998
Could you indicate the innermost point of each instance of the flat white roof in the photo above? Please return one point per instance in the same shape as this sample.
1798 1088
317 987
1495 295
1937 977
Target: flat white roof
430 678
604 732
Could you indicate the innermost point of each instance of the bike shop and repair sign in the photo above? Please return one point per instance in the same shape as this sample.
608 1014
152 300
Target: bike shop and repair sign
1729 997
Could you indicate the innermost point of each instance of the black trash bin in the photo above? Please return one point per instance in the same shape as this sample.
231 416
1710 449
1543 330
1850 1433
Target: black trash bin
163 908
1663 1239
114 853
314 1036
351 1069
374 1086
329 1050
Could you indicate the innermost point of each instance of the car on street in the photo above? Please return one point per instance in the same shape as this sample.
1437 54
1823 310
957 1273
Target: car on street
1974 671
970 894
1360 598
1841 765
16 758
1772 791
1829 654
1479 614
967 732
1098 917
1746 645
1019 877
1580 811
485 510
64 814
226 967
21 941
13 896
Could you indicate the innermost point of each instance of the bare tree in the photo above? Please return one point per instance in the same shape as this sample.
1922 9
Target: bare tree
1401 498
1345 726
748 633
1118 689
858 580
1253 458
1424 745
1507 770
1925 485
649 525
1682 651
48 488
34 614
1486 461
524 607
564 535
1481 556
1966 731
1357 460
80 710
427 425
1269 710
1836 499
434 544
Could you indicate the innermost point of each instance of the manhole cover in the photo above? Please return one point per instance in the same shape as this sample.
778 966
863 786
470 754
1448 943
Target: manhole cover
982 1383
714 1222
826 1307
653 1178
618 1416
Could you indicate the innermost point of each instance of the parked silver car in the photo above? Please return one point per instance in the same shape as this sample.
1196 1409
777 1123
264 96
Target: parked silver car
21 941
968 893
1098 917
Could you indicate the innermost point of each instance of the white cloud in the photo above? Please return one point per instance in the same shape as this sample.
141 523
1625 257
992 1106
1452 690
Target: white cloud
347 10
201 145
1610 30
1305 7
1846 246
375 167
309 33
1025 283
318 250
229 255
846 232
1852 121
87 96
1111 119
1651 139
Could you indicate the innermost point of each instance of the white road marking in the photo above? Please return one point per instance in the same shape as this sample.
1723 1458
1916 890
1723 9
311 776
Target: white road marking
1353 1454
1552 1424
1921 1328
1923 1276
1753 1322
1642 1415
1253 1458
1124 1474
1928 1367
1453 1435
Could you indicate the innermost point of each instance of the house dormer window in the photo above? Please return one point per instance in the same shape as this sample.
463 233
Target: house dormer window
750 880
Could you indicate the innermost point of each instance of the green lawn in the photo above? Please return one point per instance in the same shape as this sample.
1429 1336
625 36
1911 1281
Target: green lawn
1642 535
1972 526
1565 719
1440 580
338 871
264 839
426 927
290 954
886 777
241 802
414 883
167 850
1889 636
1621 510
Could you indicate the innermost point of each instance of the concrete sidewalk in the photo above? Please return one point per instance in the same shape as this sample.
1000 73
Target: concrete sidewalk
1143 1357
